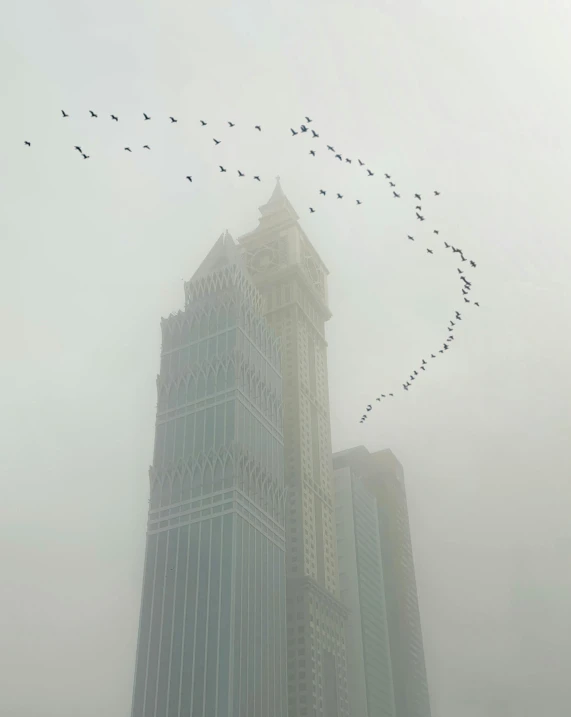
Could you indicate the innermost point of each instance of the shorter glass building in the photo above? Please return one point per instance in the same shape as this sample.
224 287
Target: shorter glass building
212 633
362 588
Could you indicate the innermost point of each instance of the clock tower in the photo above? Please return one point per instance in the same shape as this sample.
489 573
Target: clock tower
292 280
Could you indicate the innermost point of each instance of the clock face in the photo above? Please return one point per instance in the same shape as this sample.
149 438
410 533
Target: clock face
269 257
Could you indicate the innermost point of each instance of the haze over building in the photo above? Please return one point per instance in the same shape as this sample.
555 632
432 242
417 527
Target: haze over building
383 477
363 592
212 635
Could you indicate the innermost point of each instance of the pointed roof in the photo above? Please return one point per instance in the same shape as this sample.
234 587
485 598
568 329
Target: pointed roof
278 208
223 253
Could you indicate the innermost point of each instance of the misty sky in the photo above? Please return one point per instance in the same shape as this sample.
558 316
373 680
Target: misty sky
471 98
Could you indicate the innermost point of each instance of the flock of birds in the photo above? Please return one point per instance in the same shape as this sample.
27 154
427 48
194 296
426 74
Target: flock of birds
465 283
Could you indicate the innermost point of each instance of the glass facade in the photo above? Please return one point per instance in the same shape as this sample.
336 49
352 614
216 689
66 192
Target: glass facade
212 634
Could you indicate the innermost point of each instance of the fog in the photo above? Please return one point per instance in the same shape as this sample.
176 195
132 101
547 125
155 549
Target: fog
471 99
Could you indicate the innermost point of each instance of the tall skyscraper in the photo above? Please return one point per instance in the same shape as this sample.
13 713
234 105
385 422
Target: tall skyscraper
363 592
383 477
293 282
212 633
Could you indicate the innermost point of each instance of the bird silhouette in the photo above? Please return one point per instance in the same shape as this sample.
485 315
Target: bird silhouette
361 163
446 347
371 174
293 132
378 399
418 207
27 143
330 148
388 176
303 128
64 114
311 210
396 196
339 157
339 196
419 217
240 174
312 152
436 194
78 149
417 196
423 362
405 387
146 146
348 160
411 238
203 123
430 251
231 124
221 168
435 231
422 368
392 184
359 201
369 407
127 149
466 299
146 116
216 141
322 191
113 117
92 113
189 178
473 263
173 120
314 133
308 120
258 128
85 156
476 304
256 177
432 356
447 245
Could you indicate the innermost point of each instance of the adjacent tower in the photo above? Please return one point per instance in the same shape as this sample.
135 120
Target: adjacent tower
383 476
212 633
292 280
363 591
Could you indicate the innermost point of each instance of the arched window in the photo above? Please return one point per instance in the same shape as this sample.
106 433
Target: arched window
212 321
230 375
166 492
162 400
203 325
181 399
218 475
191 388
201 386
211 383
194 331
207 478
186 486
172 397
228 474
156 494
222 318
176 490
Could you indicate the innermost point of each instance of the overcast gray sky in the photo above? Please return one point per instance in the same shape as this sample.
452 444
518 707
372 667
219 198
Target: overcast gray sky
472 98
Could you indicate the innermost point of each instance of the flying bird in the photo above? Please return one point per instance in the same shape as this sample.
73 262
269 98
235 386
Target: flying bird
221 168
476 304
330 148
430 251
256 177
466 299
312 152
216 141
92 113
115 118
64 114
203 123
419 217
322 191
146 116
258 128
411 238
303 128
436 231
369 407
432 356
78 149
314 133
146 146
127 149
371 174
436 194
311 210
417 196
359 201
189 178
418 207
361 163
308 120
397 196
339 157
240 174
347 160
339 196
293 132
388 176
473 263
173 120
231 124
392 184
85 156
27 143
447 245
